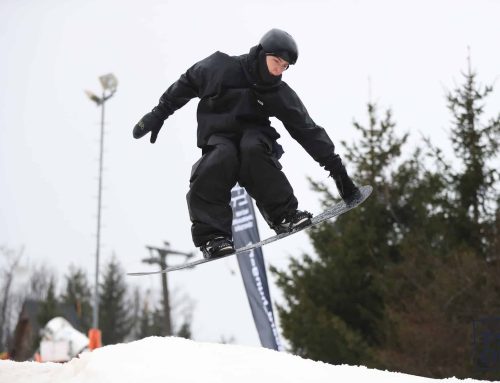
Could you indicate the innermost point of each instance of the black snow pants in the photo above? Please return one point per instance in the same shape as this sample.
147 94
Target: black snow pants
248 160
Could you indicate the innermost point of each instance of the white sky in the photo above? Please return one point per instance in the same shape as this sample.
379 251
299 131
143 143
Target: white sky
52 50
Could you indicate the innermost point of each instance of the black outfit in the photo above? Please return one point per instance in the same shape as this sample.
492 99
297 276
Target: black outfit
237 97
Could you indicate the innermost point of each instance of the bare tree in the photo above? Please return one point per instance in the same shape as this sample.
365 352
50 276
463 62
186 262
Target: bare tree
8 266
40 278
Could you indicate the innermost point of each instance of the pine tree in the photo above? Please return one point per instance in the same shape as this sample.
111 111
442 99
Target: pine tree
185 330
114 308
475 144
158 321
443 283
78 295
150 322
145 322
335 305
49 307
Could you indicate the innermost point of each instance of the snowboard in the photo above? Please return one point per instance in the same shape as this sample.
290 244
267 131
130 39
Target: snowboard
334 211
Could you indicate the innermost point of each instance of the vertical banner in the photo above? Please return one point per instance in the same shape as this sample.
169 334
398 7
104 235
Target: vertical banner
252 268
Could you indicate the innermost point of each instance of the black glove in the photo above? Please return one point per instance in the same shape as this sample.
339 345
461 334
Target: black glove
151 122
347 190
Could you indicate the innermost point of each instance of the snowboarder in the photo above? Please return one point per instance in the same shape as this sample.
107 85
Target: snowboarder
237 95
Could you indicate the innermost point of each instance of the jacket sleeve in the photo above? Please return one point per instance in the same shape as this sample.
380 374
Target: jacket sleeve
289 109
180 92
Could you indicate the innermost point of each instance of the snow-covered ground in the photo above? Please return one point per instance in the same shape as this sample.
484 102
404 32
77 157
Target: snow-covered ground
169 360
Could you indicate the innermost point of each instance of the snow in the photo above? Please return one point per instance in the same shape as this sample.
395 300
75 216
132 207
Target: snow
158 359
60 341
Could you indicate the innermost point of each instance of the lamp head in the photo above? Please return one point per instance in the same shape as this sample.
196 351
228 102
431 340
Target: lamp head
109 82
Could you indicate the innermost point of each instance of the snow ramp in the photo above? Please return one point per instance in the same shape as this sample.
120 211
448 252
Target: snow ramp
169 360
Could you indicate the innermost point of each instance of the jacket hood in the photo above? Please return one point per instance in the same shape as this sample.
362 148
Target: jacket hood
255 68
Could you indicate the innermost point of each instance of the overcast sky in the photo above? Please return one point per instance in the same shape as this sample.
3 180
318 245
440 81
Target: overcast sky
410 53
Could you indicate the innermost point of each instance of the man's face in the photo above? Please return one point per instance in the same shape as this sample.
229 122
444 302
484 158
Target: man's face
276 65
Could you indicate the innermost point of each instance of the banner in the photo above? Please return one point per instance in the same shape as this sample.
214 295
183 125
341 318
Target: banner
252 268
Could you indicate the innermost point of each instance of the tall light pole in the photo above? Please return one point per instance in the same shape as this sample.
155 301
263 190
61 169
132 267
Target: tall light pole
109 84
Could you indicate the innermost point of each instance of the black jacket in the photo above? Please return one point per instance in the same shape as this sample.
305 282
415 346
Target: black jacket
233 96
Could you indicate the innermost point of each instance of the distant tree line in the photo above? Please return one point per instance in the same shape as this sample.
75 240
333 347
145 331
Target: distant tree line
125 313
398 282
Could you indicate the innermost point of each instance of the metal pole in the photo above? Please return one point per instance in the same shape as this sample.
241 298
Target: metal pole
95 321
166 299
161 260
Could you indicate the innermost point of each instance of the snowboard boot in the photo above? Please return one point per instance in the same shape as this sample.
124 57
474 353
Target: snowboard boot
296 220
217 247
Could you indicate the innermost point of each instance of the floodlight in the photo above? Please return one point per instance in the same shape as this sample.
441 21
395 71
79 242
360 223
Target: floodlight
109 82
93 97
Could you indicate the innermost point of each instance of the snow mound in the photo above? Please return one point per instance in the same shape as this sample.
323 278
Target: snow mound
158 359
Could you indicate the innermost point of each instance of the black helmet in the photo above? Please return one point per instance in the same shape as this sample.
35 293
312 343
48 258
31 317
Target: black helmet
281 44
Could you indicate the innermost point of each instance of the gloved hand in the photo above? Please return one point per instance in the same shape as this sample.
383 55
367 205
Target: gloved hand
151 122
347 190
